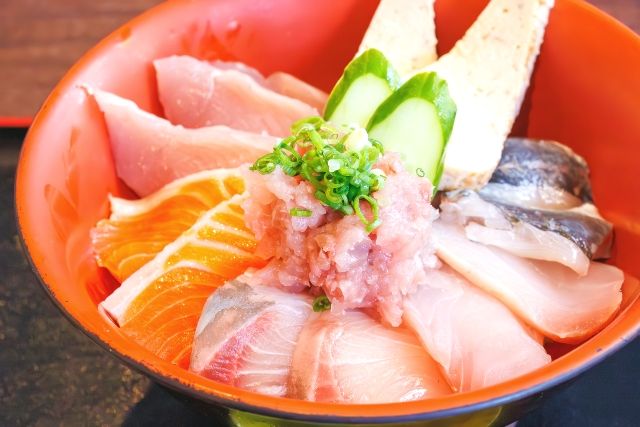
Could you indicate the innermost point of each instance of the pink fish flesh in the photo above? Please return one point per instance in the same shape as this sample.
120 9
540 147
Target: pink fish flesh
197 93
355 269
150 152
352 358
246 336
559 303
477 340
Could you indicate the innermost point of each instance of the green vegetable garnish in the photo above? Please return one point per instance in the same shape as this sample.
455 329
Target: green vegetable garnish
336 161
321 303
300 212
367 81
416 121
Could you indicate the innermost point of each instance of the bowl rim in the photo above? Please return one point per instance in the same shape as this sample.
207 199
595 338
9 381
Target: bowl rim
243 400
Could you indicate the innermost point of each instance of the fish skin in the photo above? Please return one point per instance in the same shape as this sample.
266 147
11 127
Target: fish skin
591 234
477 341
543 163
237 322
539 187
150 152
351 358
196 94
569 237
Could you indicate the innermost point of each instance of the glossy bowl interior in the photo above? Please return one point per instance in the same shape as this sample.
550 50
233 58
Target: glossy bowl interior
585 93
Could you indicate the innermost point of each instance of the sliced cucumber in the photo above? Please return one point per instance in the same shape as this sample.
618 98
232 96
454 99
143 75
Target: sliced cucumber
416 121
367 81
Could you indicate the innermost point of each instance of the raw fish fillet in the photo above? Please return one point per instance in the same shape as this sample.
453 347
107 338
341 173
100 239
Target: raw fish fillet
150 152
158 306
405 31
138 229
352 358
246 336
280 82
553 299
488 73
196 93
293 87
477 340
523 232
538 204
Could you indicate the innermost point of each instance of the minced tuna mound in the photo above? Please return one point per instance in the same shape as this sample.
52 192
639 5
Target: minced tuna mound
332 252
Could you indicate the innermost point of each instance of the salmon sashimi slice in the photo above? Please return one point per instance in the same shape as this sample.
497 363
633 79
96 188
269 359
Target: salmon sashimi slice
159 305
293 87
246 336
138 229
150 152
352 358
552 298
197 93
477 340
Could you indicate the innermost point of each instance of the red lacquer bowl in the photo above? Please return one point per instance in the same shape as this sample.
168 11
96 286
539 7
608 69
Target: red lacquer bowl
585 93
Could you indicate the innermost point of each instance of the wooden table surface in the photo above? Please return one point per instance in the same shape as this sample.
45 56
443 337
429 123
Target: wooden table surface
41 39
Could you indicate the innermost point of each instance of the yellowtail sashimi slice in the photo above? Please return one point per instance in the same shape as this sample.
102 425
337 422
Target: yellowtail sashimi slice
138 229
159 305
405 31
488 72
197 93
352 358
150 152
548 296
246 336
477 340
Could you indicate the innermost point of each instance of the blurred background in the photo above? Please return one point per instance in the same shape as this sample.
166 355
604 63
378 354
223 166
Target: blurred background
41 39
50 373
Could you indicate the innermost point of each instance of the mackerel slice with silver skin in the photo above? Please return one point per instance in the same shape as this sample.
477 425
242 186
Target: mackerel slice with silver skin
537 205
570 237
540 173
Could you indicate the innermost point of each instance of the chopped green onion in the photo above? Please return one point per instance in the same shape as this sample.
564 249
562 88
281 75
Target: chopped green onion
300 212
336 161
375 222
321 303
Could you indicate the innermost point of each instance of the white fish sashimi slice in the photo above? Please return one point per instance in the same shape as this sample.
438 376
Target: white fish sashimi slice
553 299
352 358
293 87
405 31
477 340
150 152
527 241
246 336
196 93
488 73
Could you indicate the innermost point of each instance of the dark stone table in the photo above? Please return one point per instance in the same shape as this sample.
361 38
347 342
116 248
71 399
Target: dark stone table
51 374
